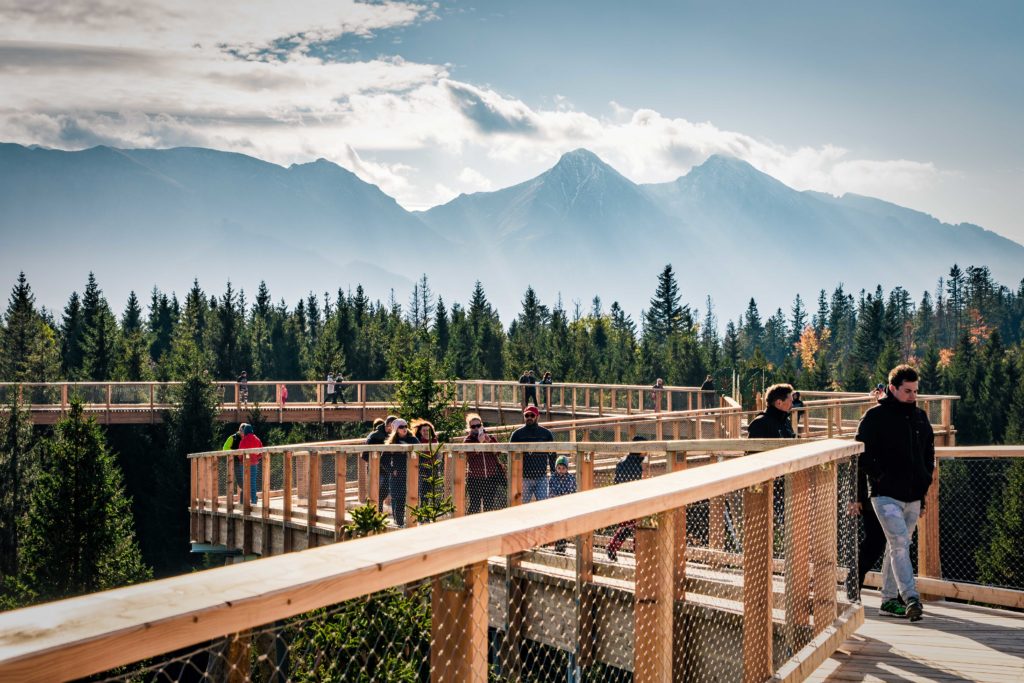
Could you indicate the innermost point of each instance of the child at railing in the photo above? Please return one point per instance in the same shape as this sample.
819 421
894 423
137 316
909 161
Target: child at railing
562 483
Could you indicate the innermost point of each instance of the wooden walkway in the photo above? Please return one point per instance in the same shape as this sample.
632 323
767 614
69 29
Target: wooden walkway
954 642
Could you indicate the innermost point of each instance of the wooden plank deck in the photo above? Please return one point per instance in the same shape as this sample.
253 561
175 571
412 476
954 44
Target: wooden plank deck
954 642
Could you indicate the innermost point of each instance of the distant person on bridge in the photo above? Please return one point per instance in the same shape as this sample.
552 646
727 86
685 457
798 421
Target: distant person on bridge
331 395
899 459
535 465
546 381
231 444
656 395
340 389
707 390
774 422
629 468
394 463
485 475
243 387
529 388
255 460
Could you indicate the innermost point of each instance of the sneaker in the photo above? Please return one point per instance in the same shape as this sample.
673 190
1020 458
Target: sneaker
892 608
915 610
612 555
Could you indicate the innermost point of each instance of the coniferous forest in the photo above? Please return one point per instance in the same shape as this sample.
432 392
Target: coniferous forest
966 337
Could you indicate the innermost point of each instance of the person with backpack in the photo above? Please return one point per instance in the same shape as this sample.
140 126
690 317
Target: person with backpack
629 468
254 460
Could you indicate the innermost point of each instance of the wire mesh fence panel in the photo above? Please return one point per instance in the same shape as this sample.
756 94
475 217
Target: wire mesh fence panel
980 520
41 395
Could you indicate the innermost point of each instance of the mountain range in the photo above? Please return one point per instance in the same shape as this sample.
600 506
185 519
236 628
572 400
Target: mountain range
139 218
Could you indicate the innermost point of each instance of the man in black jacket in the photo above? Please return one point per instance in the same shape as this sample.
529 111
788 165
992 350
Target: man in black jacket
898 459
379 435
535 465
774 422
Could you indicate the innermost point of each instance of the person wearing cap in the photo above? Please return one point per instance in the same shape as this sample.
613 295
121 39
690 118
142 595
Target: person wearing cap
535 464
630 468
563 482
394 464
485 475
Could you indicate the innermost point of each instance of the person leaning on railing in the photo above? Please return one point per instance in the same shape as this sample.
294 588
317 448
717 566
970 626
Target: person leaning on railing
250 440
231 444
394 463
378 437
629 468
535 465
485 475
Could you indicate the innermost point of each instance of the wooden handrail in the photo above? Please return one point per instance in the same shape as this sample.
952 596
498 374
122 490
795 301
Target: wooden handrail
85 635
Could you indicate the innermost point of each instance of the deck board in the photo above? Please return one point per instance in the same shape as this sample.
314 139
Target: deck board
954 642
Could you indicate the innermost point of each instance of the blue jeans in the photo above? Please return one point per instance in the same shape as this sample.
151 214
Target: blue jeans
535 488
255 480
897 520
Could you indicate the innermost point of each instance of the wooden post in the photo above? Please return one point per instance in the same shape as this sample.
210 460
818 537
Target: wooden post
287 495
757 583
193 498
458 466
340 482
247 504
64 397
313 496
412 485
653 604
584 588
928 561
798 568
824 605
515 478
458 651
266 486
374 475
676 462
574 402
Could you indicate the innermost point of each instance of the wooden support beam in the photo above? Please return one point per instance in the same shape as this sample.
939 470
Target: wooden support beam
798 567
340 480
459 466
458 648
286 494
583 590
929 563
676 462
823 548
653 604
757 583
412 486
194 498
313 494
515 478
373 493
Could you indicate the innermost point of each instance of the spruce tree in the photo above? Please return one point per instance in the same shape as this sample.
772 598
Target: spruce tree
78 534
18 459
71 339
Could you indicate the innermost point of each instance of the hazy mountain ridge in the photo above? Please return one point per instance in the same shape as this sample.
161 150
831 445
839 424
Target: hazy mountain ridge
144 217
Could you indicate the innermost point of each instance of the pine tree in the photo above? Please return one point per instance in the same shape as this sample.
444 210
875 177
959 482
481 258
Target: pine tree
132 362
666 315
78 497
17 467
442 331
99 334
28 346
71 339
797 322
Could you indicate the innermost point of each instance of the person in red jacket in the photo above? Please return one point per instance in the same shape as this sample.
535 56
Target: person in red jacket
485 478
253 460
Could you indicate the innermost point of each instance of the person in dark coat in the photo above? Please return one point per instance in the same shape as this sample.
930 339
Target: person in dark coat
378 437
536 465
529 383
898 461
394 464
774 422
485 475
629 468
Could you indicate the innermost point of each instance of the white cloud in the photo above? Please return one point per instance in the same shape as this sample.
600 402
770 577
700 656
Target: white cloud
475 180
243 77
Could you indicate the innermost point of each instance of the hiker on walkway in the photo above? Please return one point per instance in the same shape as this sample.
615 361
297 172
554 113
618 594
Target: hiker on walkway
431 464
331 396
535 464
377 437
394 464
563 483
899 459
529 383
254 460
774 422
243 387
546 381
232 444
629 468
485 475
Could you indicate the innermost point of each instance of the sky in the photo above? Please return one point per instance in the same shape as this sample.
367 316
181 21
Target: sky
919 103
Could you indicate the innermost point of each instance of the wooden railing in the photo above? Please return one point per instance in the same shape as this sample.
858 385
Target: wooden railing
289 396
90 634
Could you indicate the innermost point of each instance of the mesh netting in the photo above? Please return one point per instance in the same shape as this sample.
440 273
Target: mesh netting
742 580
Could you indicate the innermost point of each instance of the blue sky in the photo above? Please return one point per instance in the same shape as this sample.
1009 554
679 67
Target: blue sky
919 103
